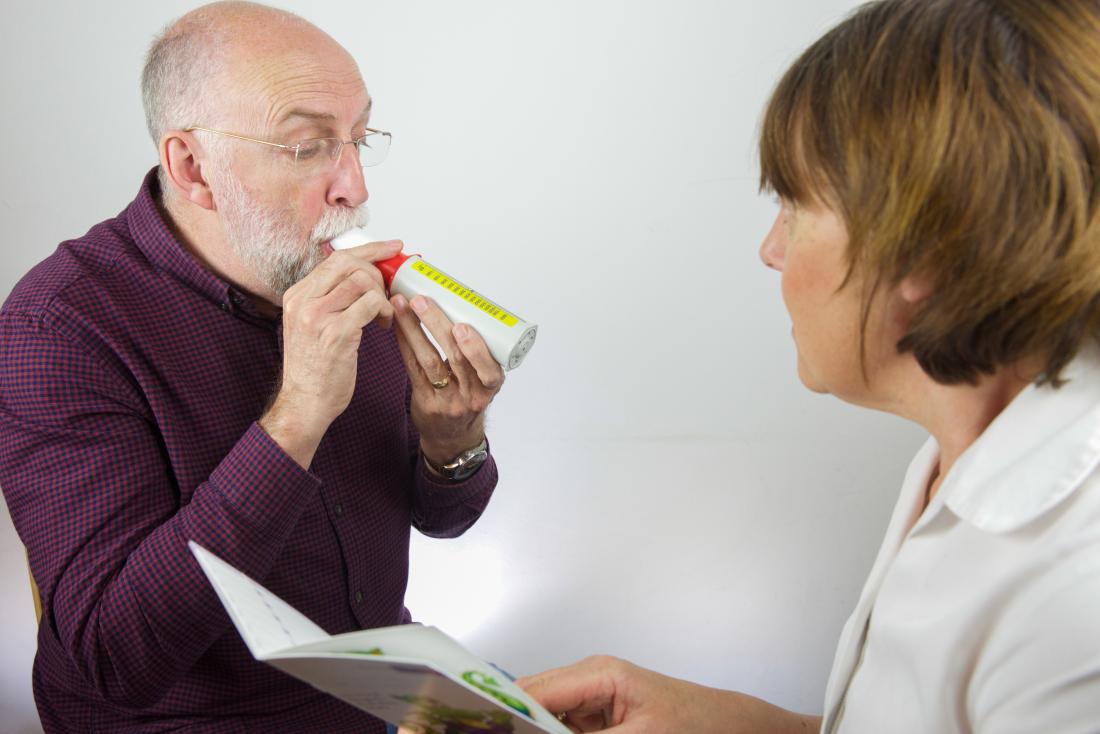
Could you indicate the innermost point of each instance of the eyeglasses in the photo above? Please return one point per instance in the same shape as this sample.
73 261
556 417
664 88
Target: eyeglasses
315 154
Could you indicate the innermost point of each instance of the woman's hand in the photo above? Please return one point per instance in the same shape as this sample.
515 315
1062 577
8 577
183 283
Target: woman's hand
604 693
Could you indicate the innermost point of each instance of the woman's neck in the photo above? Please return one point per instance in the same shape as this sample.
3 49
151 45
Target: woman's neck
956 415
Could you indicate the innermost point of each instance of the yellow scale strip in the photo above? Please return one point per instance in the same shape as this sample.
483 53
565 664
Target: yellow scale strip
472 297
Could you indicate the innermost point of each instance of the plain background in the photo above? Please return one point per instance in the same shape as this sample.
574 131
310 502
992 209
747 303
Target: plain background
669 491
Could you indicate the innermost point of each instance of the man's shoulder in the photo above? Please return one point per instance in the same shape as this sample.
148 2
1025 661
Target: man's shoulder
81 272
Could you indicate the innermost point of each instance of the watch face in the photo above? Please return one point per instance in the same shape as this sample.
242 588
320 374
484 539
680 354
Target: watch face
470 463
465 464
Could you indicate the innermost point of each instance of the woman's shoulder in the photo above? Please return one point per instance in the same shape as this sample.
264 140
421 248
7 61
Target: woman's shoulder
1040 663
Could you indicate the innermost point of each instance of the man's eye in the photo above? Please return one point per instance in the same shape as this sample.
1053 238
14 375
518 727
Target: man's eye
309 149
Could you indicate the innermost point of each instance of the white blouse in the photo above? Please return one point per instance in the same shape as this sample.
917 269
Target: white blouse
982 614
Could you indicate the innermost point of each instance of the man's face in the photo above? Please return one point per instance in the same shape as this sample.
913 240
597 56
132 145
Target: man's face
268 238
278 213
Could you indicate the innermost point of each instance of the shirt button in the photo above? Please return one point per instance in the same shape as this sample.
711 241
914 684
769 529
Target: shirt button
338 510
359 597
225 307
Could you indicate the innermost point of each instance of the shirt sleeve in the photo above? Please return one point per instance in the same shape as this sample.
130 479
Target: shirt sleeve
1040 669
442 509
90 489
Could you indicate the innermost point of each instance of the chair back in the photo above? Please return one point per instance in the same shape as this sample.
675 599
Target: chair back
34 594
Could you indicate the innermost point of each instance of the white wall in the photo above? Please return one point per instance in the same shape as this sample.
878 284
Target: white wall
669 492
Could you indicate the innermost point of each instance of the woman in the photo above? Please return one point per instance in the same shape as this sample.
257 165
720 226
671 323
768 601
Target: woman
938 168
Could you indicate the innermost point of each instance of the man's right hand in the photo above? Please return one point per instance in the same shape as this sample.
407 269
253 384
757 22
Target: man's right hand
323 319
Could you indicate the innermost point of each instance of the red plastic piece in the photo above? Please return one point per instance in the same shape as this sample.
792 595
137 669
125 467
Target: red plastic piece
389 267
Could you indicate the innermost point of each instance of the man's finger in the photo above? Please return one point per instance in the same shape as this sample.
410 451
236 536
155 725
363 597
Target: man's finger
330 272
440 327
416 373
371 306
427 358
476 351
374 252
349 290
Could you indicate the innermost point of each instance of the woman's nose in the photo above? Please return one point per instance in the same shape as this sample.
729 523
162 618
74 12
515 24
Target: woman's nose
774 246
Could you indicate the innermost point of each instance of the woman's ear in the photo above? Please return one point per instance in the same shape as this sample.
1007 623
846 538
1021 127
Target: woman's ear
914 289
182 168
909 296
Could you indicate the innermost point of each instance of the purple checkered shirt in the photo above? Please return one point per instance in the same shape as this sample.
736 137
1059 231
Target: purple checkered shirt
131 379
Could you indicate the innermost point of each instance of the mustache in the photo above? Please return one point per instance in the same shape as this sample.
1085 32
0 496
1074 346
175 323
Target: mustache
338 220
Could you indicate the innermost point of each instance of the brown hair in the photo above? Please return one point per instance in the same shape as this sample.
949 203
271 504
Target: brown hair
960 141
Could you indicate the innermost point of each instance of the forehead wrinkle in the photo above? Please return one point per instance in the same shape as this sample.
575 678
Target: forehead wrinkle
286 66
303 88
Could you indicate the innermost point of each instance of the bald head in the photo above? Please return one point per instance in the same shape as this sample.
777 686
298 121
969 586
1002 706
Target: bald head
223 54
234 93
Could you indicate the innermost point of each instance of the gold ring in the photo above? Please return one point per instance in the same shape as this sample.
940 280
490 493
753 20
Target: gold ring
440 384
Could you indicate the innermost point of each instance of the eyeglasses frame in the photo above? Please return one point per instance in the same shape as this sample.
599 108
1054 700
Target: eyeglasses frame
354 141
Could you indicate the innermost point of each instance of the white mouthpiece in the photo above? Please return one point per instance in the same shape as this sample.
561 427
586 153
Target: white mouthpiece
352 238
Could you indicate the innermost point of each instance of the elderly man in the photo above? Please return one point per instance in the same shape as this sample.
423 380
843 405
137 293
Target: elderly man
204 367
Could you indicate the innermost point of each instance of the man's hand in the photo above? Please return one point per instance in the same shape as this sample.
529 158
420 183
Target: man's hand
604 693
450 419
323 319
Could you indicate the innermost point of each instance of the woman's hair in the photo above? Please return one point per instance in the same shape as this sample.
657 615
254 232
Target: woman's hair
960 142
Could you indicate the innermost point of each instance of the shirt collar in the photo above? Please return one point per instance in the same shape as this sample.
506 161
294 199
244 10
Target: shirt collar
1035 454
155 239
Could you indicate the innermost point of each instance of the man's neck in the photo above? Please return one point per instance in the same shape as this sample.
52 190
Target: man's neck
202 237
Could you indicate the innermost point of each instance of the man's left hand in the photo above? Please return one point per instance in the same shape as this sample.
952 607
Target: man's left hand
450 414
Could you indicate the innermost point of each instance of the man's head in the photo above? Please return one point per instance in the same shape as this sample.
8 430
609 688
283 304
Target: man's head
257 214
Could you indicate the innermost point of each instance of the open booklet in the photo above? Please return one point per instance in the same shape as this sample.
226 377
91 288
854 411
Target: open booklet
410 674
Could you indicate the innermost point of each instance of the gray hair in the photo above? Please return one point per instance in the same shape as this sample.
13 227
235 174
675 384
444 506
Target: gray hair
187 57
182 61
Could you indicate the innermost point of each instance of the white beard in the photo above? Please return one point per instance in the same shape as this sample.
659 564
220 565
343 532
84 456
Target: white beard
267 239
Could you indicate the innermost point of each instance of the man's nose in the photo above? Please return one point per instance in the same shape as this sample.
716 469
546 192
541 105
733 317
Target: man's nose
349 187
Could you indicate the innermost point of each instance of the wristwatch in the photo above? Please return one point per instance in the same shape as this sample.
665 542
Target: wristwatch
464 465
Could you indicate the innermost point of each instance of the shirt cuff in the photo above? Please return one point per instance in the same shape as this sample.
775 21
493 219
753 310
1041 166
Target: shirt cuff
263 482
439 492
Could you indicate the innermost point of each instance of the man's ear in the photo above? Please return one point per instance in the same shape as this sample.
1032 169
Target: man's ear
183 170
